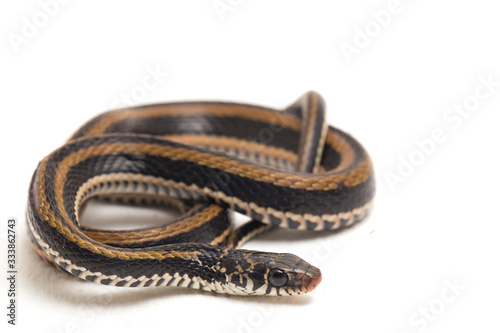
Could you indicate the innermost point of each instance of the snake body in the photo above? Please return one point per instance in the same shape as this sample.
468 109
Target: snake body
283 168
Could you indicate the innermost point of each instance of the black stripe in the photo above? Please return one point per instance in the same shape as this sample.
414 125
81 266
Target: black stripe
208 255
241 128
283 198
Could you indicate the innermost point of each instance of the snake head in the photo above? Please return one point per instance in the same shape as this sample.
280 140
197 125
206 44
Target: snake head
264 273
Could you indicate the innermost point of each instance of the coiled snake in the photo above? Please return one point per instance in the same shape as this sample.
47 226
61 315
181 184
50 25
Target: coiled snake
281 168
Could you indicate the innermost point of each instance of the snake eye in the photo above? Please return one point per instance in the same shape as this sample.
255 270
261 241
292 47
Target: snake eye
278 278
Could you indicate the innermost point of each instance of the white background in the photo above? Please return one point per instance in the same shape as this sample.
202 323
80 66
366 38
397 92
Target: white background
437 226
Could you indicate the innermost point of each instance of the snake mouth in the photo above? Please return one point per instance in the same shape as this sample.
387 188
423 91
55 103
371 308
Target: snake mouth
311 279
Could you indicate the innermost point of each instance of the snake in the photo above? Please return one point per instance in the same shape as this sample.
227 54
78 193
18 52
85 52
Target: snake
283 168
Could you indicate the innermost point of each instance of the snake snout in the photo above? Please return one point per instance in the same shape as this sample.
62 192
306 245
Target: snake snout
311 278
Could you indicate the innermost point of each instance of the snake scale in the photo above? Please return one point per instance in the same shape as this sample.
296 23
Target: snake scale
282 168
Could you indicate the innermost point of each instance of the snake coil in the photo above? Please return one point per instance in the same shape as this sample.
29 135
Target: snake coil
281 168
